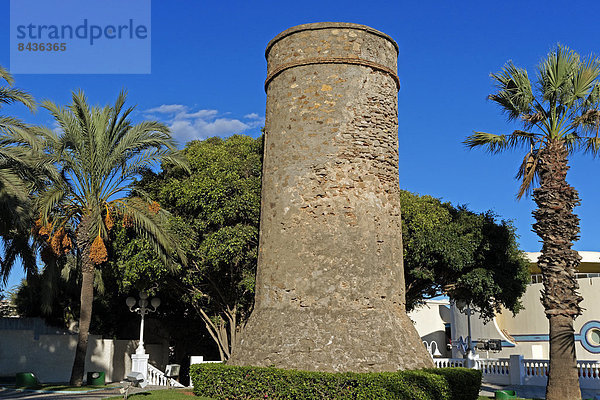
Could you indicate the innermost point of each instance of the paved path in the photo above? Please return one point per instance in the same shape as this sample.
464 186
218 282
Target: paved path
95 395
529 392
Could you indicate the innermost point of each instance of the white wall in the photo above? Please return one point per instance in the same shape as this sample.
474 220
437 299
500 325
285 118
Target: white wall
430 320
50 356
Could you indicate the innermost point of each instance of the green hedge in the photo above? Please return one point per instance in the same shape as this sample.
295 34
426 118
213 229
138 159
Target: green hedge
223 382
464 383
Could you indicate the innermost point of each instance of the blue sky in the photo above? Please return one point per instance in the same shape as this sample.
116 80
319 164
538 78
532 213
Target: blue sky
208 70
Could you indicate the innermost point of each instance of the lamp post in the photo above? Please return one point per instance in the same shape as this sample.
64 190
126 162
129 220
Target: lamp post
470 356
139 360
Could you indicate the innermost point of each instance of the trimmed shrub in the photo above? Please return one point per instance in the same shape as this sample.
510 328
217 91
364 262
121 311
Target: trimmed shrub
464 383
223 382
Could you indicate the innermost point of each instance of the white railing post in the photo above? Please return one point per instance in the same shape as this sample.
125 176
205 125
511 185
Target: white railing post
516 368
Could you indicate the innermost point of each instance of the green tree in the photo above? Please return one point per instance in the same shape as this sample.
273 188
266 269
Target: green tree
99 153
469 256
21 173
216 212
560 115
214 217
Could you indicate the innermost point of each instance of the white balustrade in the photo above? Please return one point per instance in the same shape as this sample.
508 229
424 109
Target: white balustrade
536 372
494 370
589 374
519 371
449 362
157 378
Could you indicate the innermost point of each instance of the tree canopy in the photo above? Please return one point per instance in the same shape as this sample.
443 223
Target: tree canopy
220 204
471 257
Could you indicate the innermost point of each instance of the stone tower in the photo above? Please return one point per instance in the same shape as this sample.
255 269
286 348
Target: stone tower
330 280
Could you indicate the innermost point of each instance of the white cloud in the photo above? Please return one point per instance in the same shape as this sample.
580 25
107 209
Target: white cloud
168 109
186 124
252 116
255 120
183 131
198 114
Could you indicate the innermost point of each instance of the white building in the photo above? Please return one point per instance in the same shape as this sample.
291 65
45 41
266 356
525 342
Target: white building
525 333
433 322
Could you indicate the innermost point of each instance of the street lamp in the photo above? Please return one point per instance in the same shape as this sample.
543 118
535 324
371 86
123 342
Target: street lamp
143 309
468 312
470 356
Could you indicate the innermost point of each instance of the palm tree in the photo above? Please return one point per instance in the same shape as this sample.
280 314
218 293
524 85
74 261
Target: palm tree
99 154
560 115
21 173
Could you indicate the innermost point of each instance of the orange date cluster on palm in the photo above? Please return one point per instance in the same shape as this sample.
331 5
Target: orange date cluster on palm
154 207
57 242
558 227
98 253
127 221
108 221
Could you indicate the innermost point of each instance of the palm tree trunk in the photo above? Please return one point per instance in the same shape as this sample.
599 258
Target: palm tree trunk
558 227
563 380
85 310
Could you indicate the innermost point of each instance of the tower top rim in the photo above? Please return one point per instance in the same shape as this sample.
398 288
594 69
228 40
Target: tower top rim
327 25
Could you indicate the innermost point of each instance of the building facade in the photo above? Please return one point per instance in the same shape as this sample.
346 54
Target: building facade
526 333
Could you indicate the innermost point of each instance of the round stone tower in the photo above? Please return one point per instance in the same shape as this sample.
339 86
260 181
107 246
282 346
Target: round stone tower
330 280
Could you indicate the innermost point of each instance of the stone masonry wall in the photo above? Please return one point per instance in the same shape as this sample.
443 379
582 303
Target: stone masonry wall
330 283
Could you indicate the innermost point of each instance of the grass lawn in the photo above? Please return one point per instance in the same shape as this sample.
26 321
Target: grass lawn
172 394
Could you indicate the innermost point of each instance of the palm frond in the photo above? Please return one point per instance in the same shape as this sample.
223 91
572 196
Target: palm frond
587 120
10 95
514 94
583 81
22 167
4 74
528 173
564 106
16 246
10 125
593 98
153 227
48 200
555 73
592 145
100 153
98 281
498 143
573 142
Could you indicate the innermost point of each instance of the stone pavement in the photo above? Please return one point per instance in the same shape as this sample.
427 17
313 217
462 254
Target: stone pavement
92 395
529 392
